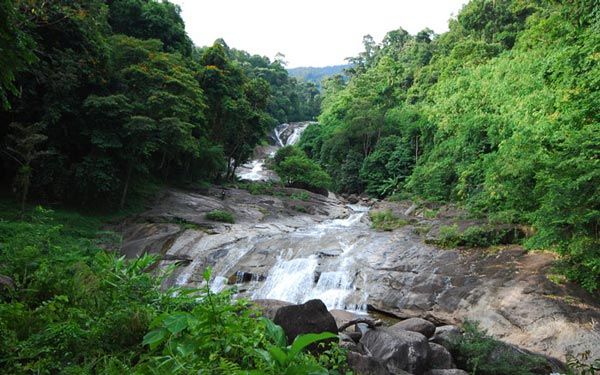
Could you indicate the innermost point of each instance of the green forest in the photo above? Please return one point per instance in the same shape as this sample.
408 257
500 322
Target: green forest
499 114
86 80
103 102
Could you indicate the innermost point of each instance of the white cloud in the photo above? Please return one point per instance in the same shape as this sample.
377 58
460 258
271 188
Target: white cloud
309 32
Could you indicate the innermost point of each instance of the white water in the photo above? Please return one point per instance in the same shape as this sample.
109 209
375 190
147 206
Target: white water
293 279
296 134
256 171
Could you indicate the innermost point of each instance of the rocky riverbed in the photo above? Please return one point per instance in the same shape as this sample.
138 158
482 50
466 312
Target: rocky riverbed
294 246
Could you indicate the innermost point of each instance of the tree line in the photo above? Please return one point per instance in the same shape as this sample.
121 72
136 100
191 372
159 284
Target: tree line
500 113
97 98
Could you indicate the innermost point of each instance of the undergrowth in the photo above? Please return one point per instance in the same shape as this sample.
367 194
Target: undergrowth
386 220
222 216
67 306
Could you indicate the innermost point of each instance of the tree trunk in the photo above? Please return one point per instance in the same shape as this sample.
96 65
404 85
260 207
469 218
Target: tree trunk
124 195
24 192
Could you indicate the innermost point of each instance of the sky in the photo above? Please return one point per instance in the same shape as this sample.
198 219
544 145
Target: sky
309 32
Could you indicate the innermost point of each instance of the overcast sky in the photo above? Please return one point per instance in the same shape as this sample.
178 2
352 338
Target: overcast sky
309 32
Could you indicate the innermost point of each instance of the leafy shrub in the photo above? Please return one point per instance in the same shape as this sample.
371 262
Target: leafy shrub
77 309
303 196
222 216
295 168
220 335
475 236
449 236
480 354
386 220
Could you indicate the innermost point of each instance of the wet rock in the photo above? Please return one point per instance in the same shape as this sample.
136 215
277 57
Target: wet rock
366 365
342 316
447 372
398 349
350 344
309 317
424 327
506 291
352 199
244 277
439 357
445 335
329 253
356 336
269 307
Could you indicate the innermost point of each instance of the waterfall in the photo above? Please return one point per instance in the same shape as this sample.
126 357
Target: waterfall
330 277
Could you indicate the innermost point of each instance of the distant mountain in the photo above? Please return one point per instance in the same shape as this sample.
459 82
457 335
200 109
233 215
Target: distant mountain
316 75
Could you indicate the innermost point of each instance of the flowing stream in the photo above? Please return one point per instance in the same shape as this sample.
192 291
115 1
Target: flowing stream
282 135
292 262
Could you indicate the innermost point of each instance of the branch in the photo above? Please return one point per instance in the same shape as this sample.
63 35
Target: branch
13 157
370 322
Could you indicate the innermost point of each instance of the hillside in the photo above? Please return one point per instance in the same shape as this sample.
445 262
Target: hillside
316 74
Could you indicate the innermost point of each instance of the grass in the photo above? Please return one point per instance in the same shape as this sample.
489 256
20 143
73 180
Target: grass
386 220
302 196
474 236
481 354
220 215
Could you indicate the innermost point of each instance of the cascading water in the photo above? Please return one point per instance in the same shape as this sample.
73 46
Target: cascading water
330 275
283 135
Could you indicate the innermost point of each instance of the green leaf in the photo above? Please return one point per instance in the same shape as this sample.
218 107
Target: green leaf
177 322
155 338
279 355
275 333
206 274
303 341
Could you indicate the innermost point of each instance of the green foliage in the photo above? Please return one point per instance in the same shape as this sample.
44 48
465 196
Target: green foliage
219 215
316 75
500 114
222 335
302 196
74 308
478 353
386 220
16 46
449 236
123 98
475 236
295 168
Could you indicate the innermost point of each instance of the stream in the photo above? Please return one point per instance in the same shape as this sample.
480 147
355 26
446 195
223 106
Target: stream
328 250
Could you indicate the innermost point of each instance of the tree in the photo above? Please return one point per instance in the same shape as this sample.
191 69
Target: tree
16 45
23 146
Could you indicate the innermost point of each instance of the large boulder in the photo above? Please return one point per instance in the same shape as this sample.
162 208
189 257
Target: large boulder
445 335
439 357
309 317
269 307
366 365
424 327
398 349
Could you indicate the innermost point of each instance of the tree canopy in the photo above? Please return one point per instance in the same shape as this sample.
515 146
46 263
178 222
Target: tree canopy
500 113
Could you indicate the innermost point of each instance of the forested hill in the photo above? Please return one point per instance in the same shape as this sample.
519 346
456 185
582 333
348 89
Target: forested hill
99 97
316 74
500 114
